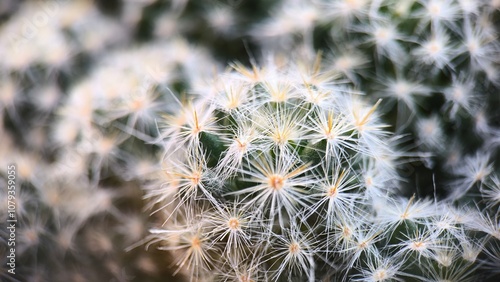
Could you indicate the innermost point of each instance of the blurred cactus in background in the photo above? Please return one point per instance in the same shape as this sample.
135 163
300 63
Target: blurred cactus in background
79 130
237 140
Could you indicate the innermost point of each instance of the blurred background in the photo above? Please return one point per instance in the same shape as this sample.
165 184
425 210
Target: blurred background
81 86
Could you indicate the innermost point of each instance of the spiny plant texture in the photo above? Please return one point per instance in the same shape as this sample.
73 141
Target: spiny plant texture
284 173
435 62
365 148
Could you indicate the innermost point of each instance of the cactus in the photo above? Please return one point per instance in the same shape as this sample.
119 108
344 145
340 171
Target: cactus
291 169
433 61
348 140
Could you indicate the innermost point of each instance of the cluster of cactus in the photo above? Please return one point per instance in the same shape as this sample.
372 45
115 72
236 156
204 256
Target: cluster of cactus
284 173
348 140
435 64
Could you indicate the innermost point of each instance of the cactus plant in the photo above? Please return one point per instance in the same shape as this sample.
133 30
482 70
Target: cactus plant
288 167
350 140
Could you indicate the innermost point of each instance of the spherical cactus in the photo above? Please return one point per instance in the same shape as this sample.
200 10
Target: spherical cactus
269 163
